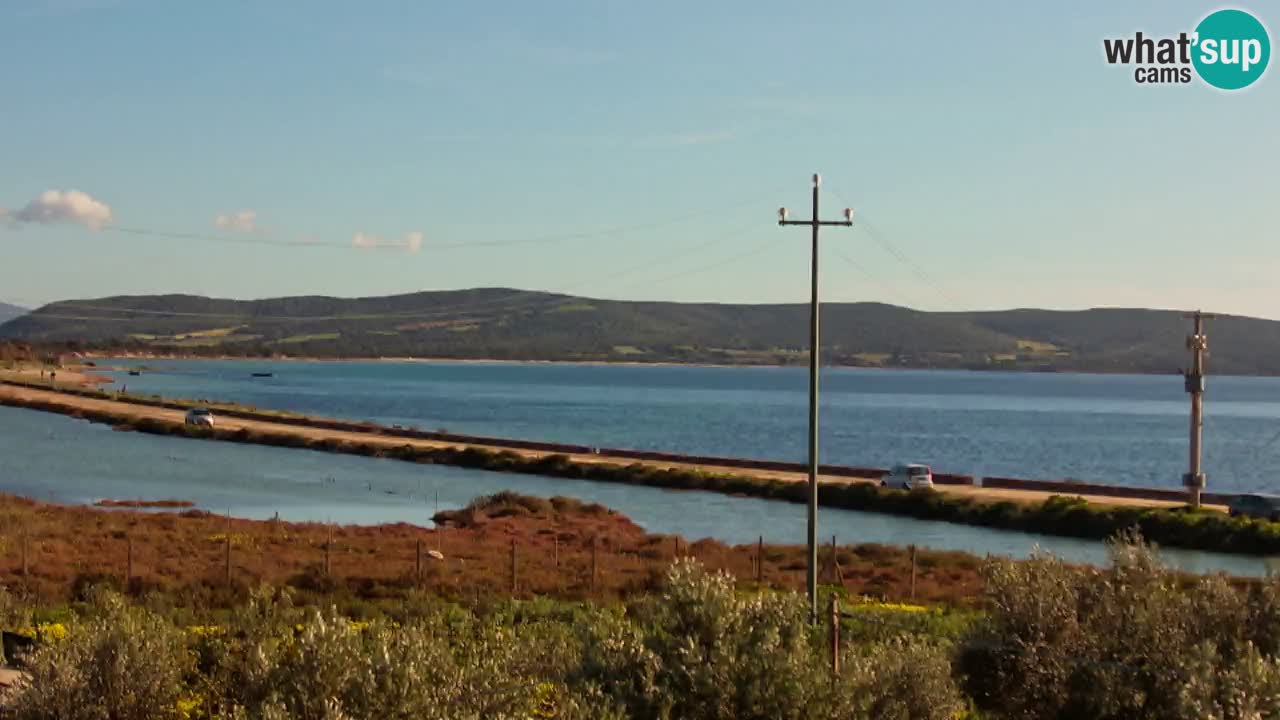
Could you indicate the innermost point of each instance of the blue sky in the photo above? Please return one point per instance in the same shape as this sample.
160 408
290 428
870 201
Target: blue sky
641 148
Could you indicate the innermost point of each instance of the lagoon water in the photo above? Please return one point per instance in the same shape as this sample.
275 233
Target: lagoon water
60 459
1118 429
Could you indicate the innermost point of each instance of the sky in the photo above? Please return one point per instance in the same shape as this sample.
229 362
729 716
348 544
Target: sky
628 150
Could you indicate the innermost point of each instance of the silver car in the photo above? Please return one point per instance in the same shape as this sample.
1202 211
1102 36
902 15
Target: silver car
908 477
200 416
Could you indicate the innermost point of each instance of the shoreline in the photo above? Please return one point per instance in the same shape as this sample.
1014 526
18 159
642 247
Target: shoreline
96 355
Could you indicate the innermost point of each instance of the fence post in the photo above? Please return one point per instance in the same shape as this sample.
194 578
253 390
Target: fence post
328 541
24 553
594 552
913 572
227 569
555 550
417 564
128 566
760 559
676 556
515 581
835 635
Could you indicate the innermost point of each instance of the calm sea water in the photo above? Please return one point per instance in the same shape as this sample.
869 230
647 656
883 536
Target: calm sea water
57 458
1119 429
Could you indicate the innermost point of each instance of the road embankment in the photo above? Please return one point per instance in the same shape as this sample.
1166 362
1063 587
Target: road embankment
1058 513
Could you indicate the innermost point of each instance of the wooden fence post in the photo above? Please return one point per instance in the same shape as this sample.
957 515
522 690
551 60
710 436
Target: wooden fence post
515 578
417 564
676 556
555 550
25 567
835 635
328 541
759 559
913 572
594 552
128 566
227 568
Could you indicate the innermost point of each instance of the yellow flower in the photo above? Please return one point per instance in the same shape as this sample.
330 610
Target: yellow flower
870 604
187 707
204 631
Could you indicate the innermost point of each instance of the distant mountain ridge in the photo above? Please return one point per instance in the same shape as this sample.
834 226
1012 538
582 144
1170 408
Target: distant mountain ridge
500 323
9 312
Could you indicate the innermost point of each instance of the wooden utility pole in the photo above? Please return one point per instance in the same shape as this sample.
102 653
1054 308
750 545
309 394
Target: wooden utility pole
1198 344
814 348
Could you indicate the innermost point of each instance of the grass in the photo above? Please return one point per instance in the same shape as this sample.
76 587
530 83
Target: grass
1041 348
293 339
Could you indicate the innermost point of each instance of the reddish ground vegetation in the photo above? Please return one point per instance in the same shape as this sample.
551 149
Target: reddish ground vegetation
68 548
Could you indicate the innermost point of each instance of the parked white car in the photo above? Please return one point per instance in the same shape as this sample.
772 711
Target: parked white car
200 416
908 477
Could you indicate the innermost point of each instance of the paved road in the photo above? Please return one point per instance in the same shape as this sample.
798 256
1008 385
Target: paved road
70 403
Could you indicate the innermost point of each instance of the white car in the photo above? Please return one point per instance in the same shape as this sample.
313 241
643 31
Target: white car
908 477
200 416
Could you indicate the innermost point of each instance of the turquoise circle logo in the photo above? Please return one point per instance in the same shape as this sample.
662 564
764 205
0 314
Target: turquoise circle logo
1232 49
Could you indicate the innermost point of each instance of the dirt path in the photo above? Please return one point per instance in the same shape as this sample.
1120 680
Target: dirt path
71 403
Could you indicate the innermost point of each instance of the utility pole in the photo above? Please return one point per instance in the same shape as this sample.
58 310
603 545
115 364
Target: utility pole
1198 344
814 223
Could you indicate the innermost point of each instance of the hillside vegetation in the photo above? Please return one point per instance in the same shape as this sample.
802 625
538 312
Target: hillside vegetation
525 325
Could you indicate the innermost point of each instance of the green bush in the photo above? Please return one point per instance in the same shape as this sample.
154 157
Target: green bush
702 651
1128 642
123 663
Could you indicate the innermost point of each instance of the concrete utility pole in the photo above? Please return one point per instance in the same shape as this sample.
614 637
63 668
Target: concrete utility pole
1198 344
815 223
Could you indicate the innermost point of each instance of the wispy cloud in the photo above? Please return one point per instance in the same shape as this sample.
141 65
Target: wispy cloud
61 206
244 221
411 242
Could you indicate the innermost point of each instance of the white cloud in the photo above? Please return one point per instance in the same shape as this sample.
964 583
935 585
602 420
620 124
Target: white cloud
245 221
57 206
411 242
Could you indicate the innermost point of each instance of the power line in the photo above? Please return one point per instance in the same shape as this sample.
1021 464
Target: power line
500 304
738 257
870 279
888 246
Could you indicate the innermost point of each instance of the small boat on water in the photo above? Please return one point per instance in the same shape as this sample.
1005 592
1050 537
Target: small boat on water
135 372
262 374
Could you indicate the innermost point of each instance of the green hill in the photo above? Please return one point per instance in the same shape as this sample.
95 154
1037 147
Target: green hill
525 325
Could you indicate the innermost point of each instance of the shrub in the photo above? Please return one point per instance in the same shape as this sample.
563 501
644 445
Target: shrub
1132 641
702 651
122 663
